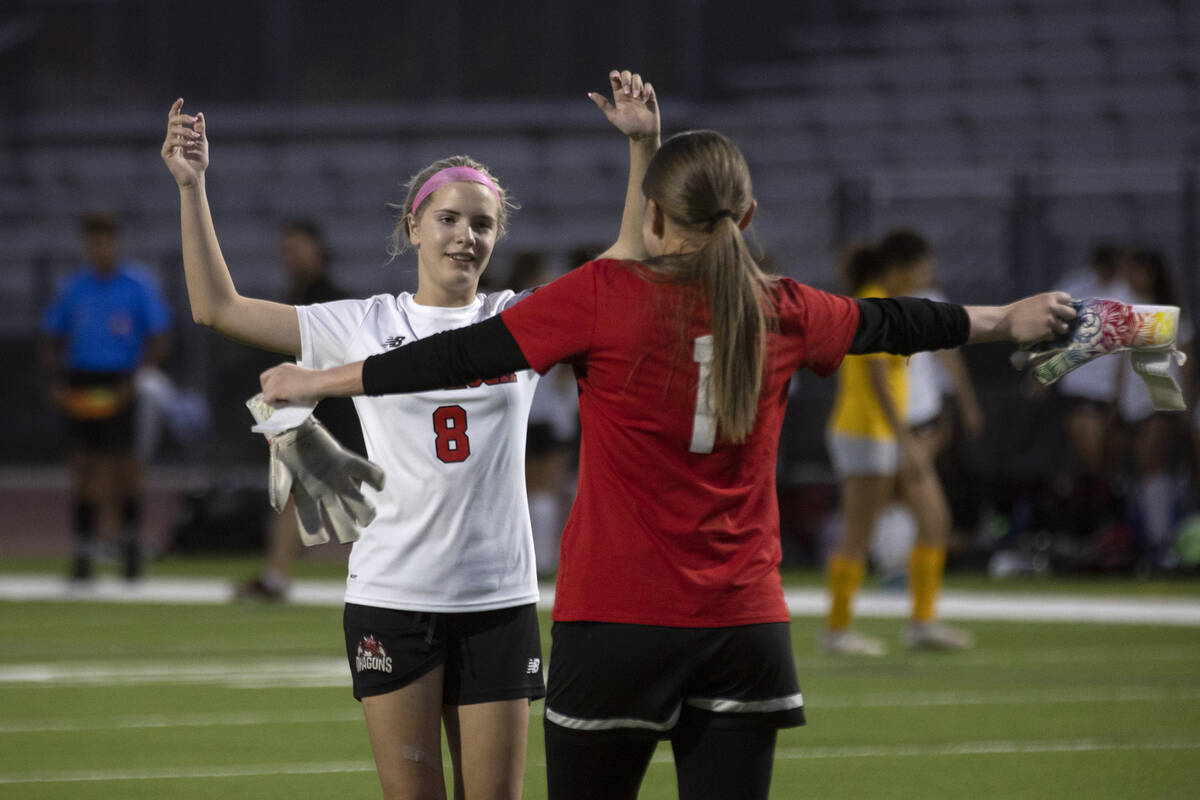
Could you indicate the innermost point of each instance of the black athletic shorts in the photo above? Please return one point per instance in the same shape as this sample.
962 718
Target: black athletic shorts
103 432
646 679
489 655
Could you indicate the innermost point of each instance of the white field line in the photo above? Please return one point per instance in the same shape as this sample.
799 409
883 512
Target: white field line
333 671
1079 655
1119 694
292 672
1037 697
781 754
217 719
971 749
801 602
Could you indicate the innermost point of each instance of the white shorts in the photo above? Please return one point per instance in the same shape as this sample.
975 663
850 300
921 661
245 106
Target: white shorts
862 455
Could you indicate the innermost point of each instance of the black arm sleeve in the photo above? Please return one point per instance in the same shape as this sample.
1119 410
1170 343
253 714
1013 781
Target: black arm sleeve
906 325
484 350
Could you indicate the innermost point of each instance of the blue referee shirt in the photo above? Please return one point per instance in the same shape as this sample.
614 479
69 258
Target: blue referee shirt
106 320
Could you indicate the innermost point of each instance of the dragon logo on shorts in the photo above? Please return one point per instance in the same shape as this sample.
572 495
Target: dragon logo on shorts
371 655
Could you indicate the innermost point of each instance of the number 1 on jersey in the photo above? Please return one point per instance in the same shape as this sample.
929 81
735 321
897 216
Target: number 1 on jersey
450 429
704 422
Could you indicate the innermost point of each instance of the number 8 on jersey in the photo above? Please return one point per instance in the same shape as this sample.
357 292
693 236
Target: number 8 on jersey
450 434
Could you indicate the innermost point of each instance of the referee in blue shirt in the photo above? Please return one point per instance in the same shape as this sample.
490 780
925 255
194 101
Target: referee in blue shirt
108 320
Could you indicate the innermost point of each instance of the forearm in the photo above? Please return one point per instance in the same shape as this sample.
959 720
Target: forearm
209 284
343 381
988 324
907 325
641 151
214 299
482 351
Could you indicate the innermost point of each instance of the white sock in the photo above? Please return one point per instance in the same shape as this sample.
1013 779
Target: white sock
547 528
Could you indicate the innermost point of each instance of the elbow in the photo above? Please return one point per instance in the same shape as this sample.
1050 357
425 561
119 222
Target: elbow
202 318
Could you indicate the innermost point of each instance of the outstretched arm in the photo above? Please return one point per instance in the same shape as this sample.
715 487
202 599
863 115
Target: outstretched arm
1033 319
634 112
906 325
488 349
214 299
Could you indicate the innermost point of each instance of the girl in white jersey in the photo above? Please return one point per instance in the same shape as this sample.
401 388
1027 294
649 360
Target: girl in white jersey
440 615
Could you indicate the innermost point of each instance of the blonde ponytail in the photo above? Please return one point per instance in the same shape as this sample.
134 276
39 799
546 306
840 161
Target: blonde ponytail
701 182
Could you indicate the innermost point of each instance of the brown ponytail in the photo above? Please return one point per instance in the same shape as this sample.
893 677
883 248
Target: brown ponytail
700 181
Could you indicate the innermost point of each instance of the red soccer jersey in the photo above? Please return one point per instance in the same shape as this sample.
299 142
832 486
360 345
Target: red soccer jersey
671 525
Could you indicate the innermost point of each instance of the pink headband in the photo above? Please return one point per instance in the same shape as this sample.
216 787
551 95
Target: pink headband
451 175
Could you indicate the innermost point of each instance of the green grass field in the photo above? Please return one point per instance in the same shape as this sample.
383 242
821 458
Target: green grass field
104 700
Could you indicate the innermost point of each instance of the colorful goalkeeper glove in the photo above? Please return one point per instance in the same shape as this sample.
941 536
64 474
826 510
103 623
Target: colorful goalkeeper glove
323 477
1102 327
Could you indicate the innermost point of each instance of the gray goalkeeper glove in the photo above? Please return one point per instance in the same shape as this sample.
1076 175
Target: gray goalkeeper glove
323 477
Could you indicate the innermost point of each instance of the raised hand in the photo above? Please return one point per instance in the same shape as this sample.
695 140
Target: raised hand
634 107
185 148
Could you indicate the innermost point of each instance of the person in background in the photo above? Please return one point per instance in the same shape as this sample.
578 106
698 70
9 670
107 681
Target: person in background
1152 435
1090 394
305 256
880 460
933 378
106 322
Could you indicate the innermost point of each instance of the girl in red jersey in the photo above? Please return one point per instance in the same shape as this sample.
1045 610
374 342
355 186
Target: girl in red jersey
670 620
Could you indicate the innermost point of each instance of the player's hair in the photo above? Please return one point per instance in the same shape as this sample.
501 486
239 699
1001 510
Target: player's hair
1105 258
311 230
903 248
859 265
402 235
1163 291
98 223
700 181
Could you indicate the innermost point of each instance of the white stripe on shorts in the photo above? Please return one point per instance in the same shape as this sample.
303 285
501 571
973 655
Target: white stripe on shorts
722 705
612 723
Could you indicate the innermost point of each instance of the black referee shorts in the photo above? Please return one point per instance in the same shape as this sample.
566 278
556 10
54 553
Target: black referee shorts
647 679
110 433
488 655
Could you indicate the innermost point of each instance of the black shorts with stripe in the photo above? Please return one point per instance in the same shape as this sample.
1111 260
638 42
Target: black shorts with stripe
488 655
647 679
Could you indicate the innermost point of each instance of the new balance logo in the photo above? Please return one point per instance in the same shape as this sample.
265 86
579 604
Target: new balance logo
393 341
534 665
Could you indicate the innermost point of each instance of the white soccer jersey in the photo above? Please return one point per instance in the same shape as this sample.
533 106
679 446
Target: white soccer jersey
451 531
926 378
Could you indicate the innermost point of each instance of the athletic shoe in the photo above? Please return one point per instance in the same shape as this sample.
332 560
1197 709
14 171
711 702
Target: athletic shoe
256 589
852 643
936 636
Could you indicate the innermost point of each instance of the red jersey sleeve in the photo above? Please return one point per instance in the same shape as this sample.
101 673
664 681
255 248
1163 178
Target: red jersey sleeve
825 323
556 322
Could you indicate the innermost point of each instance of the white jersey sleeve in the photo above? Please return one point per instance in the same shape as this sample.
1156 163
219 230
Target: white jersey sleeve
452 531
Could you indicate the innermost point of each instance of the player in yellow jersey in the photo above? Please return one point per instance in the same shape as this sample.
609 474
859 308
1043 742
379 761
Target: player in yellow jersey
880 461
